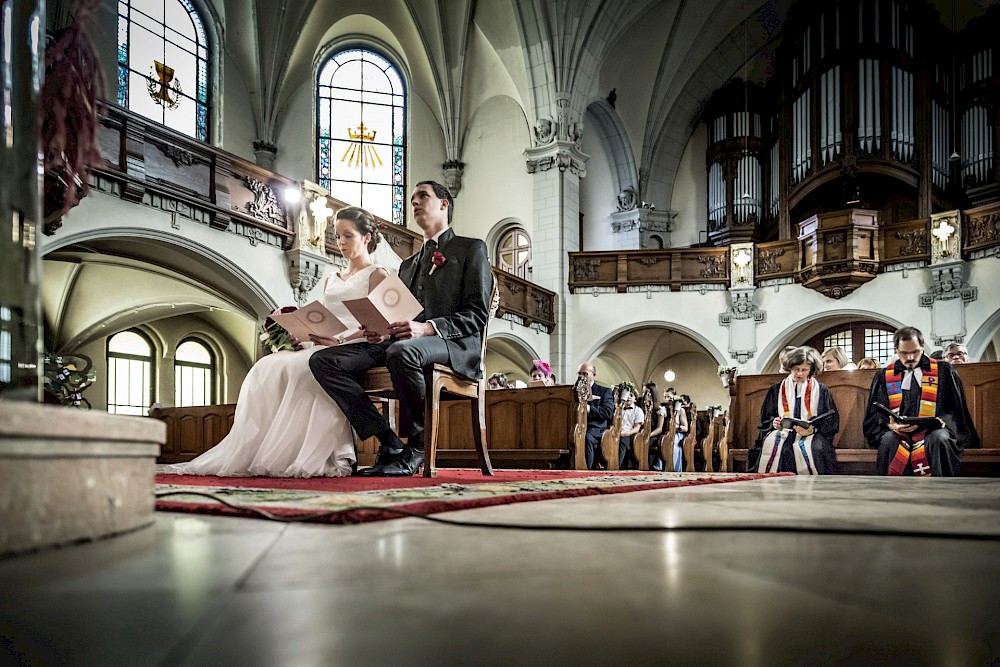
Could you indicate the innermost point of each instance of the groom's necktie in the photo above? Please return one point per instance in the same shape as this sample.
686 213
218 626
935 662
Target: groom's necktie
424 269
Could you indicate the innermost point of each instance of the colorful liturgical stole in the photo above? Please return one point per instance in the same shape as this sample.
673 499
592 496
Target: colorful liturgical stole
911 449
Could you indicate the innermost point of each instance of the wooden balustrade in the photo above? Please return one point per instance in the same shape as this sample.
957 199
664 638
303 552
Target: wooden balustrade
525 302
672 268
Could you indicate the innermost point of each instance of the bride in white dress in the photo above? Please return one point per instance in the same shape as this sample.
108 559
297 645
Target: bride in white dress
285 424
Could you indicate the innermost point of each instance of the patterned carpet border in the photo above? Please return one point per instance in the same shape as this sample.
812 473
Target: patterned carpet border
421 496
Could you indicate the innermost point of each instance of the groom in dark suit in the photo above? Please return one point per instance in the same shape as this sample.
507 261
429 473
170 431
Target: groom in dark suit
451 277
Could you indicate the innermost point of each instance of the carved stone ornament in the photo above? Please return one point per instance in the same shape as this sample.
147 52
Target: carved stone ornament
565 157
742 308
265 204
948 282
453 172
627 199
946 232
304 271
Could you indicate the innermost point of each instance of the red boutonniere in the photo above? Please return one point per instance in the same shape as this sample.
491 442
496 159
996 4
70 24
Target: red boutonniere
438 260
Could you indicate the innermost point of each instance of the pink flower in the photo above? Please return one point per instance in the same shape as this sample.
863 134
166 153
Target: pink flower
438 260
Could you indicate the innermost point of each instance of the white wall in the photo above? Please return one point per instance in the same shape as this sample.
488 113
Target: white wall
691 191
598 197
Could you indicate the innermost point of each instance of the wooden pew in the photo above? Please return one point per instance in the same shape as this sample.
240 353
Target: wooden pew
534 427
612 434
689 441
981 382
640 444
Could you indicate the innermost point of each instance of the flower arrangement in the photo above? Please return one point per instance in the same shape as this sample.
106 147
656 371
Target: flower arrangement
65 378
438 260
273 335
627 386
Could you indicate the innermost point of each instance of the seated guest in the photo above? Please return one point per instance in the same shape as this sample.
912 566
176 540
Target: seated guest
498 381
632 420
915 385
783 355
657 421
955 353
805 450
834 359
867 364
541 372
600 411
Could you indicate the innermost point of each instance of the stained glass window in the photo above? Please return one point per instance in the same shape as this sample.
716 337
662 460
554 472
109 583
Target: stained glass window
130 373
361 132
163 64
194 374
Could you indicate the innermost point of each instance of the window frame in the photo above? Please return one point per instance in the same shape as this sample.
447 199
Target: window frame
151 360
212 368
857 329
523 270
398 202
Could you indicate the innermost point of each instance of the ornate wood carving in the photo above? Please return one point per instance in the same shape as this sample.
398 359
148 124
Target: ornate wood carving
715 266
265 204
916 242
767 261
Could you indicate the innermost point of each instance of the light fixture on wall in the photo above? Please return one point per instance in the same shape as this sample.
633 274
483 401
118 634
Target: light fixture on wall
670 376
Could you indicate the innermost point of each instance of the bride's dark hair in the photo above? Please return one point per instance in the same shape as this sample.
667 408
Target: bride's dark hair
363 221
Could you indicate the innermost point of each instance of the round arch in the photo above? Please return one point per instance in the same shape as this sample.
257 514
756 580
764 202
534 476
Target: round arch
697 337
808 326
609 128
979 341
246 293
508 354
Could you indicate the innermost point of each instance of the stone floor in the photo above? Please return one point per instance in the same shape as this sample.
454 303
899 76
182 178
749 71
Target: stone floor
831 586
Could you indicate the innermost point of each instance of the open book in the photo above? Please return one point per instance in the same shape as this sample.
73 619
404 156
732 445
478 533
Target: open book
312 318
789 422
389 302
922 423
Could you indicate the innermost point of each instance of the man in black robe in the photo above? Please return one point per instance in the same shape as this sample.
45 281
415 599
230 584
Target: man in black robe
943 446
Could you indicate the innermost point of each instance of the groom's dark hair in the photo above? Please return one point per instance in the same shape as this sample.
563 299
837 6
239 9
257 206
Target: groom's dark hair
441 192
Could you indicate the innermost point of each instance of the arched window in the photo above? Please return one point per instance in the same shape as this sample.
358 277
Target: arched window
130 373
858 340
513 253
361 132
163 64
194 374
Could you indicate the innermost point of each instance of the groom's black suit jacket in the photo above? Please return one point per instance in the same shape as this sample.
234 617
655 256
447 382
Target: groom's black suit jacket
456 298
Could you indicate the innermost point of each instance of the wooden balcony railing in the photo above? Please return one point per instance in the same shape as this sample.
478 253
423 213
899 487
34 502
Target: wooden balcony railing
837 252
525 303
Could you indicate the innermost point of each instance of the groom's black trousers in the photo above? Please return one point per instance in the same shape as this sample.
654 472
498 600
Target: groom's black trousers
338 369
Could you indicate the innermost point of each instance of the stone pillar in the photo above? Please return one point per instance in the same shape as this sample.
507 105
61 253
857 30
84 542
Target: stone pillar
557 164
23 23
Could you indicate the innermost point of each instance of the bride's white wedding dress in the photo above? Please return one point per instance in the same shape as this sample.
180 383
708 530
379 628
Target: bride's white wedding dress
285 424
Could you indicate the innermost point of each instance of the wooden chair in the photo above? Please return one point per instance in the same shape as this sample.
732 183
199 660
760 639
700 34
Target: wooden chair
667 437
690 438
640 444
582 390
443 383
723 443
611 435
708 444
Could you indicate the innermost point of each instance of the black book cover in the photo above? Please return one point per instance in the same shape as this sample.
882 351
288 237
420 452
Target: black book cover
789 422
922 423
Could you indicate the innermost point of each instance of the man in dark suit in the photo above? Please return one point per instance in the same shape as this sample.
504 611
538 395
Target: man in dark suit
451 277
600 411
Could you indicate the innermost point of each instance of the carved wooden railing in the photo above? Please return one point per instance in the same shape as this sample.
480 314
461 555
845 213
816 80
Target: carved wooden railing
617 270
866 252
525 303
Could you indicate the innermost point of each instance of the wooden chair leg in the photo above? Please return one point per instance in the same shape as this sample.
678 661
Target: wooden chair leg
432 407
706 451
478 407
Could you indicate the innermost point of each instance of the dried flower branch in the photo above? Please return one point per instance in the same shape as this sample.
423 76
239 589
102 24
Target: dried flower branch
71 100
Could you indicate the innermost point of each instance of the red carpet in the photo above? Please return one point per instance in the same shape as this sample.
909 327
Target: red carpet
360 499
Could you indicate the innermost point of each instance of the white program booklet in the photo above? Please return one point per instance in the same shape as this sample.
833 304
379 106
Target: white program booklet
312 318
389 302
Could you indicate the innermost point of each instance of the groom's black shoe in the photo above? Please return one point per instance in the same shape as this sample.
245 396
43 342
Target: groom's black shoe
385 457
406 464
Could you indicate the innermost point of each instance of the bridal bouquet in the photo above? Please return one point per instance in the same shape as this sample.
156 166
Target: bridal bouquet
273 335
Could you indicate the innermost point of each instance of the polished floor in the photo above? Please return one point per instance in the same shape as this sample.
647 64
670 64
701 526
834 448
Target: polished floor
820 583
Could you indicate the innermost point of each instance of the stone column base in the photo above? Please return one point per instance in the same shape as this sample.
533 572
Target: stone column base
72 475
